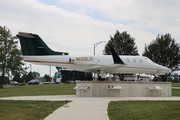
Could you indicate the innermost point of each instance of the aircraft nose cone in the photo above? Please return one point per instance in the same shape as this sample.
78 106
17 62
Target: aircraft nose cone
167 70
164 70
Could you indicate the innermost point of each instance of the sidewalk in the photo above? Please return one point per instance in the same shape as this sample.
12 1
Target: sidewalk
81 111
175 87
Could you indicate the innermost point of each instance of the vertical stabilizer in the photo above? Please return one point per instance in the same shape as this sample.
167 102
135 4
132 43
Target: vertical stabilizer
32 45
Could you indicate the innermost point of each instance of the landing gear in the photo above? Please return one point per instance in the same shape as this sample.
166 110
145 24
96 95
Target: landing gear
102 75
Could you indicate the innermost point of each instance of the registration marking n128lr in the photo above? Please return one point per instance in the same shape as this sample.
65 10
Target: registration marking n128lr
84 59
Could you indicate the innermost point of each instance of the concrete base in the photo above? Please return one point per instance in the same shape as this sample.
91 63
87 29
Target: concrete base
129 89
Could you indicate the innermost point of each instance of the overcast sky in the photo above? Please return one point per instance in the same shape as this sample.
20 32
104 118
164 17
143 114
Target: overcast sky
74 26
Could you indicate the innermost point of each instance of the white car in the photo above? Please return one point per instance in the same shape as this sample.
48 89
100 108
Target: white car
14 83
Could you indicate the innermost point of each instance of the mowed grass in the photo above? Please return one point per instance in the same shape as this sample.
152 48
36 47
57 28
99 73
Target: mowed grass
124 110
32 110
176 84
144 110
27 110
34 90
175 92
52 89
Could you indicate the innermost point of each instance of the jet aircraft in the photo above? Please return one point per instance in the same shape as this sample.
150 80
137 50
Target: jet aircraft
36 51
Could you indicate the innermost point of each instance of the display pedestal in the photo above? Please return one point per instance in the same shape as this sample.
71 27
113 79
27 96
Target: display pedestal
122 89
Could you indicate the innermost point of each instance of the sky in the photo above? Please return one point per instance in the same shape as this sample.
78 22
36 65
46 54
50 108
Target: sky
74 26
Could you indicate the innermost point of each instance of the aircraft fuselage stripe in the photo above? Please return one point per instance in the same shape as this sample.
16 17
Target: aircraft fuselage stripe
50 62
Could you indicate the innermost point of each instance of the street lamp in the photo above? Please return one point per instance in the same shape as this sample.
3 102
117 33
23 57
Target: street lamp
30 67
96 44
50 71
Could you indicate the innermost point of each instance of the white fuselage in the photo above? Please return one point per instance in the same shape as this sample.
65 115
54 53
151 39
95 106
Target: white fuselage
105 63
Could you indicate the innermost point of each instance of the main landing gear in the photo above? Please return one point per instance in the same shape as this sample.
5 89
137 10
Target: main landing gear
102 75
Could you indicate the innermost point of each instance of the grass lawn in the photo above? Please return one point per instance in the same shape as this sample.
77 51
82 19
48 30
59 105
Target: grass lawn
124 110
32 110
34 90
27 110
144 110
175 92
175 84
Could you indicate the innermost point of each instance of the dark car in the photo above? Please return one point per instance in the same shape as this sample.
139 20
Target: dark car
33 82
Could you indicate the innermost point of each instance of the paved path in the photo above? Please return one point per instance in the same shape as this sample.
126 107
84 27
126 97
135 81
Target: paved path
81 111
83 108
175 87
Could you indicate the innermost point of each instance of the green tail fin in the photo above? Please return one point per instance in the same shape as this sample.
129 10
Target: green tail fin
32 45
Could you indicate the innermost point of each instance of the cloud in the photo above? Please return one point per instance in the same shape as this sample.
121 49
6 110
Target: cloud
153 16
75 25
67 28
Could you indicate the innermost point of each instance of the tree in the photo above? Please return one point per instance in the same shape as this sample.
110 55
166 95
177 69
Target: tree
29 77
122 43
17 78
35 74
6 80
66 75
10 55
164 51
88 76
24 78
48 78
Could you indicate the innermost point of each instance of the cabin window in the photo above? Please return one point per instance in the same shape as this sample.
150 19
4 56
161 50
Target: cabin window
134 60
140 60
127 60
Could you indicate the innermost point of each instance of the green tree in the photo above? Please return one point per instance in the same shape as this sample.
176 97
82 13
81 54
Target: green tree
48 78
89 76
35 74
29 77
10 55
66 75
164 51
17 77
6 80
24 78
122 43
78 75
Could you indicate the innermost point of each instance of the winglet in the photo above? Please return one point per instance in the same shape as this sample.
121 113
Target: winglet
116 58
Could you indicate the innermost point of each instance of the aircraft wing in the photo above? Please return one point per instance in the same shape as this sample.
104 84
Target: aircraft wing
108 68
118 63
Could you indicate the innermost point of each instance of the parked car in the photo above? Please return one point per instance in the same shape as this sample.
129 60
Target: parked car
33 82
46 82
70 82
14 83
